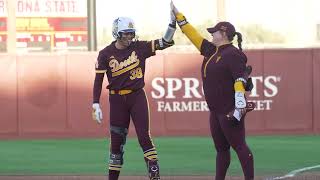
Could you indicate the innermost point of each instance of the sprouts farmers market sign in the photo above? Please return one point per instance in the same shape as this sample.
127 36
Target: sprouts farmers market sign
186 94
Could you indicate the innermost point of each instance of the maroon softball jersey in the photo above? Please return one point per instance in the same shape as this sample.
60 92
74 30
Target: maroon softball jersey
220 68
125 68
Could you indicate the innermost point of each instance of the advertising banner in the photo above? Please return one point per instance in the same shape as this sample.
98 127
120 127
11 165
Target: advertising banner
47 25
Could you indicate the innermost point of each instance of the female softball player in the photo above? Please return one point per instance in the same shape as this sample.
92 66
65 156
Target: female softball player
123 61
224 80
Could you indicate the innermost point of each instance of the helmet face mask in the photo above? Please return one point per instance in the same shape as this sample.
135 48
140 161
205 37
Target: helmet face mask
122 25
126 38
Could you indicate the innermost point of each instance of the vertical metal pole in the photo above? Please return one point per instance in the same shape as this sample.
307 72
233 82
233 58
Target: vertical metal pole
92 30
11 26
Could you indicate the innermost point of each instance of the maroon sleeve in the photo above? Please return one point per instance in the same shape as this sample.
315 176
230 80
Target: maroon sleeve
236 64
147 48
207 48
97 86
101 63
101 69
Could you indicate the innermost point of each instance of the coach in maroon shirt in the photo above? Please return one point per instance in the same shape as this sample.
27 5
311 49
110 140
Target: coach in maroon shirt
224 78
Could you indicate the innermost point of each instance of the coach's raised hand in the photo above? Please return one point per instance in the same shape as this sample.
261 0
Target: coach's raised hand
181 20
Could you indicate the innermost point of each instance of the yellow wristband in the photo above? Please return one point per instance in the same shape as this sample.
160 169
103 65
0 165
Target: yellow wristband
238 87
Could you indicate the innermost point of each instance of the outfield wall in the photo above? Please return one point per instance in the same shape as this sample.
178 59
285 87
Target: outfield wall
50 95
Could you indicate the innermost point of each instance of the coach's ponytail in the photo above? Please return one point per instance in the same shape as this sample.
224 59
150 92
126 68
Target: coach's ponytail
239 40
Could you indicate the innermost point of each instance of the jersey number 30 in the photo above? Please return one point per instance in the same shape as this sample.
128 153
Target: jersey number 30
136 73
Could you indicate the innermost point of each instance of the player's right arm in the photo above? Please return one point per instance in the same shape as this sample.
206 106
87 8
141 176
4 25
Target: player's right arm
100 69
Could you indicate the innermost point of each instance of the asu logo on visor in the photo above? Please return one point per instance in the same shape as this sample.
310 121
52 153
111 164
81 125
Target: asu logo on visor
130 25
223 28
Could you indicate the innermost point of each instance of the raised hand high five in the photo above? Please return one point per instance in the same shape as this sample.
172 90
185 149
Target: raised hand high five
173 8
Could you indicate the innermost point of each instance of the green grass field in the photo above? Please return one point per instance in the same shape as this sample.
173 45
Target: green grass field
178 156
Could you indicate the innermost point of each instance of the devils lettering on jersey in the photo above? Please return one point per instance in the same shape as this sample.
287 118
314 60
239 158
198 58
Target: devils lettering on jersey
118 68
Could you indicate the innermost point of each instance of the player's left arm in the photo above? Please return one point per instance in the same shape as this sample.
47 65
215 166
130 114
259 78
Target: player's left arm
167 39
149 47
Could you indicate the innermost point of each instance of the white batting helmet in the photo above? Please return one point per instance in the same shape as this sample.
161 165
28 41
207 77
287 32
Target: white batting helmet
122 24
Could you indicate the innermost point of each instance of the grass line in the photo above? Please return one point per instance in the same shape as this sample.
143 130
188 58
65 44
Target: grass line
273 155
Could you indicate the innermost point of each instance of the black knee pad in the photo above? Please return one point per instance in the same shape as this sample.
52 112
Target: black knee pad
123 132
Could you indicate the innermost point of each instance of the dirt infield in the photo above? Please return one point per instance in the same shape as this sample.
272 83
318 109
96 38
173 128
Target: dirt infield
106 178
309 176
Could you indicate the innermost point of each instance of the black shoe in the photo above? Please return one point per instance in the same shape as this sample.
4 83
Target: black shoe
153 168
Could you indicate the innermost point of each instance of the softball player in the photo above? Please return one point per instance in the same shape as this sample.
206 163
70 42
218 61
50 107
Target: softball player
224 80
123 61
